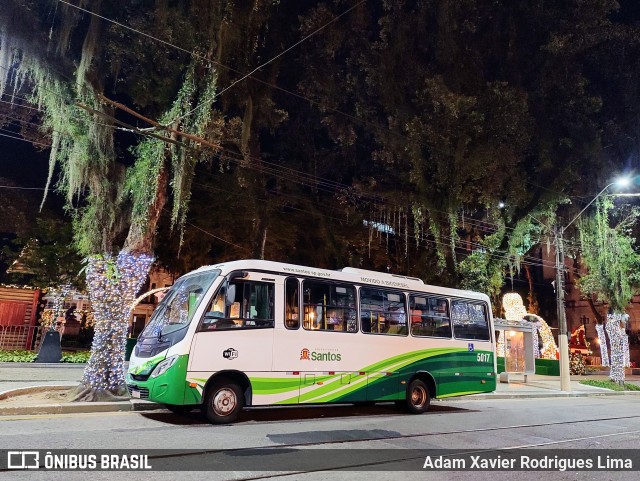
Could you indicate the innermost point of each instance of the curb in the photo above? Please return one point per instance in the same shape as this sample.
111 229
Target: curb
484 397
80 408
70 407
20 391
67 365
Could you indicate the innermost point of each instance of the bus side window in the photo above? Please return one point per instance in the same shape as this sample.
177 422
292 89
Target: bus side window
252 307
329 306
292 304
470 320
429 316
382 312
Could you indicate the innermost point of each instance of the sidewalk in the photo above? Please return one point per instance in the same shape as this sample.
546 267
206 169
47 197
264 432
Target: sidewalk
24 379
538 386
30 378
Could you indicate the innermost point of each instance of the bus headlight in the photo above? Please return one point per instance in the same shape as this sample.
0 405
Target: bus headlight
164 366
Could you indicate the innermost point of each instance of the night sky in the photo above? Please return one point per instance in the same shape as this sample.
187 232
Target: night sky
22 163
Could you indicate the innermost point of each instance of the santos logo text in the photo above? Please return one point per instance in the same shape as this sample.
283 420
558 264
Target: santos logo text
307 355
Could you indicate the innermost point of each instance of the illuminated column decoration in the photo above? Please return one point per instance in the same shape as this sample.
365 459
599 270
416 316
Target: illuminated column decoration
500 344
513 306
59 295
113 284
602 342
625 340
616 330
536 348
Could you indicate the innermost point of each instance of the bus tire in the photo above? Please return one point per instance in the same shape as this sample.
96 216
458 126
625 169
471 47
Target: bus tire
418 398
223 402
180 408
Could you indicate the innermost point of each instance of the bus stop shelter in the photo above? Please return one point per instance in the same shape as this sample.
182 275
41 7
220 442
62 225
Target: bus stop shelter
515 341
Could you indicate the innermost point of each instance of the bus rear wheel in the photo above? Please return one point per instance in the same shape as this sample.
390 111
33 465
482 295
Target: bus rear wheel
417 398
223 402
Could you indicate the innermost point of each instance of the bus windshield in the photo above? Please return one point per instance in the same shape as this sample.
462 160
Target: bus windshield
179 304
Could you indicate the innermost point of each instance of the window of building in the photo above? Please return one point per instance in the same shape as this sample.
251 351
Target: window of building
329 306
382 312
470 320
429 316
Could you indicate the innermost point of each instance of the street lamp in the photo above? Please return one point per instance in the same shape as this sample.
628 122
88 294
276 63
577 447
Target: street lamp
563 344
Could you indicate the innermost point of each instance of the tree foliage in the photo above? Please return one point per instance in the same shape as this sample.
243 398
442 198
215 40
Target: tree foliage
610 255
384 140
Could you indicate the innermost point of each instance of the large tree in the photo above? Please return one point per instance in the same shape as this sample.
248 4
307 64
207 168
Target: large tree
67 59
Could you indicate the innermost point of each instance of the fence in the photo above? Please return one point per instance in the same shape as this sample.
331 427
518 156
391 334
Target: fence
20 337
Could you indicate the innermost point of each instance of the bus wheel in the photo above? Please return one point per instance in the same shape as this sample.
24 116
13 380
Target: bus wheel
180 409
418 398
223 402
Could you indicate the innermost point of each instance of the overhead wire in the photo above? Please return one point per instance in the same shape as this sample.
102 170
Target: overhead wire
316 183
272 85
25 140
306 37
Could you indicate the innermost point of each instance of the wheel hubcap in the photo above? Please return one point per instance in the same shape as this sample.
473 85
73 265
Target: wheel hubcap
224 402
418 397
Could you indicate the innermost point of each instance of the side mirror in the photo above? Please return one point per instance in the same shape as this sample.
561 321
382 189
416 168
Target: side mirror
231 294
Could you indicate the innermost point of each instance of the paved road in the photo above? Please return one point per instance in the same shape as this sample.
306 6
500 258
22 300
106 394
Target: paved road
572 423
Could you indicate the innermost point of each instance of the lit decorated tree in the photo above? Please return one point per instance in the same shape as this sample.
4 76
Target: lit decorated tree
576 364
602 341
616 324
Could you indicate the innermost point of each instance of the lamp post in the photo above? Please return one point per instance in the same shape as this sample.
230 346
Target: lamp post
563 343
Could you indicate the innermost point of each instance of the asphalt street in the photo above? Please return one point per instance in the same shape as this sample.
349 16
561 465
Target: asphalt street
600 423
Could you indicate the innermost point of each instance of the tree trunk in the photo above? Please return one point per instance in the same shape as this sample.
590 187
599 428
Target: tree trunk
533 301
113 283
599 317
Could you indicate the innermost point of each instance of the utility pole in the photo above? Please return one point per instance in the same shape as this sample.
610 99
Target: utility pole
563 343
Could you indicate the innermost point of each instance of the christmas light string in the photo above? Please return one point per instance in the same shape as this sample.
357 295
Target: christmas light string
113 284
615 328
602 341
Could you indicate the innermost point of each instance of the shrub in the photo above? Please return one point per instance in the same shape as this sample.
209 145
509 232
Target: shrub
76 357
17 356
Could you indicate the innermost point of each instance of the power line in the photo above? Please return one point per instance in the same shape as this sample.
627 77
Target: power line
273 172
334 19
25 140
19 105
274 86
20 188
217 237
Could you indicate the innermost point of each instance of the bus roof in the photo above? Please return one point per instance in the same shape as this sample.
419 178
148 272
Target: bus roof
347 274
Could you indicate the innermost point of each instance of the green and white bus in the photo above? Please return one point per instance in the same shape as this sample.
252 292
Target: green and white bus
258 333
